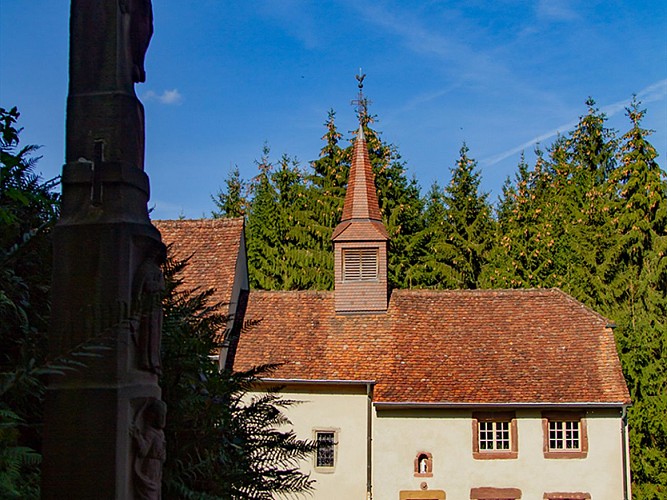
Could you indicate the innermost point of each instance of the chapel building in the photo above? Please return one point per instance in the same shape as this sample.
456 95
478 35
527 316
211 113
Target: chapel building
426 394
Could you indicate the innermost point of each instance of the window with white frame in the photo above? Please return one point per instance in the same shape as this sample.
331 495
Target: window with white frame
565 434
360 264
325 455
494 435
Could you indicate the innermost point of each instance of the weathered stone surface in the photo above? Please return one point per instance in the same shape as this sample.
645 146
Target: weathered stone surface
104 420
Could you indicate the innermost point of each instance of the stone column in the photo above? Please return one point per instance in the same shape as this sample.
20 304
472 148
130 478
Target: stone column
104 420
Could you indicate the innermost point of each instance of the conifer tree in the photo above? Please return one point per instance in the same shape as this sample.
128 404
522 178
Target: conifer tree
459 231
221 444
325 197
429 246
399 198
635 274
579 183
468 223
528 249
231 201
280 248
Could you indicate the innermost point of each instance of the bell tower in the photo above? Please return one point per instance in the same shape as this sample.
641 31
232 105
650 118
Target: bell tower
360 241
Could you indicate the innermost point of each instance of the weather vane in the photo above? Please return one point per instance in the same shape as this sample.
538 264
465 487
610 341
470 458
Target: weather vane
361 103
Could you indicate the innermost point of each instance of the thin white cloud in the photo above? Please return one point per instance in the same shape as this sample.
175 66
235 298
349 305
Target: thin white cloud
464 64
556 10
422 40
167 97
654 92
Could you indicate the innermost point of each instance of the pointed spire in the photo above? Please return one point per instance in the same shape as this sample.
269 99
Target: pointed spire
360 240
362 219
361 201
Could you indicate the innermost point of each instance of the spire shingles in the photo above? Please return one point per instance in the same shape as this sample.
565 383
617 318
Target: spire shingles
361 211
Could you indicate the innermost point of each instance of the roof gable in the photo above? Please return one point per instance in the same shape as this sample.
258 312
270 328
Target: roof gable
213 246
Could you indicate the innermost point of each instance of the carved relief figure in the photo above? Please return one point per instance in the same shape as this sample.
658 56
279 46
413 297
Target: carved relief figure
151 452
148 289
140 33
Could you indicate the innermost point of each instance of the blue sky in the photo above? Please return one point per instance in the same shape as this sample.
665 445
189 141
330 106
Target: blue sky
224 77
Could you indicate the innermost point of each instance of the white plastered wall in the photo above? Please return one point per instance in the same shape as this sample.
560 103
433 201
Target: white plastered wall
447 435
342 409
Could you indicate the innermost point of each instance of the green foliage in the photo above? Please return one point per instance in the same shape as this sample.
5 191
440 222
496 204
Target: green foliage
459 232
325 196
591 218
220 443
19 465
400 202
279 238
232 201
28 209
635 272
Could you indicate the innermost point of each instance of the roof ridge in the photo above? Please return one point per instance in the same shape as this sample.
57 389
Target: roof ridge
222 221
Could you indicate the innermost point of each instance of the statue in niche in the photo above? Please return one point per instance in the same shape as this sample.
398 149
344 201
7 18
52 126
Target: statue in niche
140 14
147 433
423 464
148 290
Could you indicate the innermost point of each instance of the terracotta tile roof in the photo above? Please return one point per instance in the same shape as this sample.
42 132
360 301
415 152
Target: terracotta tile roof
367 231
214 245
460 347
361 201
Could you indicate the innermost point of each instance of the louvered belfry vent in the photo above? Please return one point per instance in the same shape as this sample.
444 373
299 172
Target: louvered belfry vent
360 264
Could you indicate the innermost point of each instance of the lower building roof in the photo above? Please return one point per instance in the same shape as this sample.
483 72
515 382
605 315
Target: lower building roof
537 346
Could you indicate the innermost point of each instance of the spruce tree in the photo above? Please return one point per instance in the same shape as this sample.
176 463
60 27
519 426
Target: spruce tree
280 247
579 183
468 223
635 274
399 199
429 247
231 201
325 197
528 251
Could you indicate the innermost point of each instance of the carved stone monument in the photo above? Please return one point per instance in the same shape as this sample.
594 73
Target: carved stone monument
104 420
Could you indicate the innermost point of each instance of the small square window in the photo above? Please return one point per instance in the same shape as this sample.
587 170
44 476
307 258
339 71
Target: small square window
565 434
325 452
494 435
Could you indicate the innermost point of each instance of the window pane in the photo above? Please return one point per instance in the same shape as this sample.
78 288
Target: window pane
494 435
564 435
325 449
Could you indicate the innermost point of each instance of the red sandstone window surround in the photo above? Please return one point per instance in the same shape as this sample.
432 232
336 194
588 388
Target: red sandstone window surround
495 494
423 464
567 496
564 434
494 435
